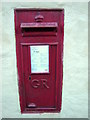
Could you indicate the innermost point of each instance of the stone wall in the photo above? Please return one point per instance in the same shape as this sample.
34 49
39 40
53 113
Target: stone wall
75 79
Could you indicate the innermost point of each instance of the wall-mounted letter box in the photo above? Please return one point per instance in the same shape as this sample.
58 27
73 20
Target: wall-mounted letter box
39 49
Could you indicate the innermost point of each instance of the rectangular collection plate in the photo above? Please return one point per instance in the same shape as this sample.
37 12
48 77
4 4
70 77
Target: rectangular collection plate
39 59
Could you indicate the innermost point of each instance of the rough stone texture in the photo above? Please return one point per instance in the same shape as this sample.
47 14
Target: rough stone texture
75 72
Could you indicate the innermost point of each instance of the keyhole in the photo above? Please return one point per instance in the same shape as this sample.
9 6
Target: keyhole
29 77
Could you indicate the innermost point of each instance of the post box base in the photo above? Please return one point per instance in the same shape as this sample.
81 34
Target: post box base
49 110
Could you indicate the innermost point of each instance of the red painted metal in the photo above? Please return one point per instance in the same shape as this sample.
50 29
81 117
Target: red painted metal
39 92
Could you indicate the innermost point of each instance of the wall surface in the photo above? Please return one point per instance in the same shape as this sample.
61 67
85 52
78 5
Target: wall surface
75 60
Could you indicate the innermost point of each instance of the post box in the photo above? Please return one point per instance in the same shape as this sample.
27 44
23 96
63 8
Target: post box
39 49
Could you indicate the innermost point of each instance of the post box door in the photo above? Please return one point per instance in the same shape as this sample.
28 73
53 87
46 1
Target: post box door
39 68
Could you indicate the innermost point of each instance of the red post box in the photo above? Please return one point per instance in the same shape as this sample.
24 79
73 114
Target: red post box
39 49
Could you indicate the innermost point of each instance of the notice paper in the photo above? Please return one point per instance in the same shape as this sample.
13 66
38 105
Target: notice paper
39 58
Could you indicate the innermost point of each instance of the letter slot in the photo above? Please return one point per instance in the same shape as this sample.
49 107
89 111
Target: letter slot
39 29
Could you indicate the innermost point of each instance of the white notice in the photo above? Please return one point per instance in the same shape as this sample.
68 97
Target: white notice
39 59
